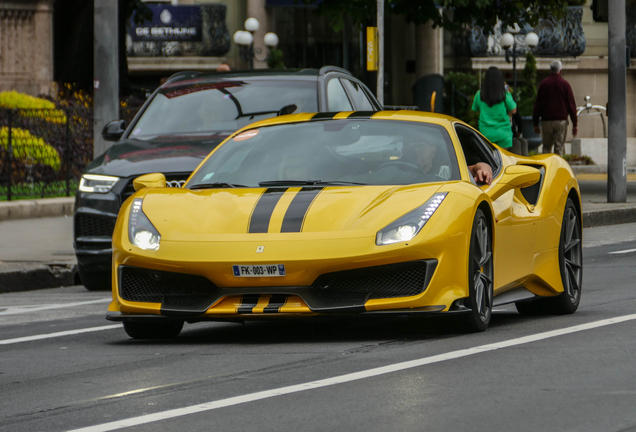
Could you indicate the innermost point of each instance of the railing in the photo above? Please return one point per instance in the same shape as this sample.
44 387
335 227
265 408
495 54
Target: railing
600 110
43 152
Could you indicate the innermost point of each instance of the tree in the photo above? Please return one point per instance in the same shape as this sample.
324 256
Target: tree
450 14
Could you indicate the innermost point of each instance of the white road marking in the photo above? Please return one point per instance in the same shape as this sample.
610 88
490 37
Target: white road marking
208 406
14 310
58 334
623 251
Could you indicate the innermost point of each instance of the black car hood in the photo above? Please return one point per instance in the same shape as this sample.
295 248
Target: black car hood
165 154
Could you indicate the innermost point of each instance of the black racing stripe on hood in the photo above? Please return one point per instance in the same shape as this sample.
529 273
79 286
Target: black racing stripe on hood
361 114
248 303
262 213
298 208
324 116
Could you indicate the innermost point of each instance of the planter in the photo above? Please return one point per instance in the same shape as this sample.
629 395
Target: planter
527 129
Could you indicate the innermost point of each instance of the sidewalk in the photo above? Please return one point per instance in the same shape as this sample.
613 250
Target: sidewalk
36 237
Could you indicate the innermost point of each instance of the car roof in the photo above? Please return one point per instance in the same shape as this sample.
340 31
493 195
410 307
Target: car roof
307 73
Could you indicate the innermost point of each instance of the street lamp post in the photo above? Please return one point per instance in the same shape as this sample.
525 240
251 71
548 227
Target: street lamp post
245 40
509 40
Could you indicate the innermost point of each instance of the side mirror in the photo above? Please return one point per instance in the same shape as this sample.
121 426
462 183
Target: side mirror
149 180
514 177
287 109
114 130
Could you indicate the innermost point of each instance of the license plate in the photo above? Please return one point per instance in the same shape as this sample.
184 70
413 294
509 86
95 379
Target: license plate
268 270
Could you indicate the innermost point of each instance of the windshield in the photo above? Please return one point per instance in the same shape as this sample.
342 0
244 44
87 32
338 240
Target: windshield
216 105
374 152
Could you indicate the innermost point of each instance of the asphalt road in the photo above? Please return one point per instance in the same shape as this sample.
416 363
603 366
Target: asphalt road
63 367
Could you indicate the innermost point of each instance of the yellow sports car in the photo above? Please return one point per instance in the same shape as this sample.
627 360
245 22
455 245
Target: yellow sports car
349 213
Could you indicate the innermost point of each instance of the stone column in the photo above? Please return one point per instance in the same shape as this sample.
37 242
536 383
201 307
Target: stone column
429 50
256 9
43 46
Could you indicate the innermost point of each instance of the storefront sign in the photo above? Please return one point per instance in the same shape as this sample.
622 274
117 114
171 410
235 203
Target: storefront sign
372 48
169 23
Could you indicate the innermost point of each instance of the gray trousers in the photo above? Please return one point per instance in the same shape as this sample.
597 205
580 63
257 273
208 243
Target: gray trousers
553 133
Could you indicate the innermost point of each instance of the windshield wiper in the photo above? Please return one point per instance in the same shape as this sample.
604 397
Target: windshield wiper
306 182
215 185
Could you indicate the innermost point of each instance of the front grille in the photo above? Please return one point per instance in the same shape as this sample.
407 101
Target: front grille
358 286
531 193
172 180
93 226
178 291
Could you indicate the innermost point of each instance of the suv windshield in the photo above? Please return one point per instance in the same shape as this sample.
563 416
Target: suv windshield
339 152
221 104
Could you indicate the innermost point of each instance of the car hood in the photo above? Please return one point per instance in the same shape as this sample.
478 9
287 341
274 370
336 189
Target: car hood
226 214
165 154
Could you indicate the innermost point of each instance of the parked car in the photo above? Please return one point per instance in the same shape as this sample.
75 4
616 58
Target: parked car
178 126
349 214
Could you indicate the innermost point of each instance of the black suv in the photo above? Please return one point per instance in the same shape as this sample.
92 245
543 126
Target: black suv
178 126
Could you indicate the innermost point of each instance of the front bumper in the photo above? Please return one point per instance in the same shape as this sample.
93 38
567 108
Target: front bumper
191 297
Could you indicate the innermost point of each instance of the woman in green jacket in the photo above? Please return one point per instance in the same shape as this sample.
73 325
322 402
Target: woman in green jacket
495 106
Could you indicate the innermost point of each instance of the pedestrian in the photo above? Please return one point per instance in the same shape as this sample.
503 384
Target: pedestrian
495 106
553 104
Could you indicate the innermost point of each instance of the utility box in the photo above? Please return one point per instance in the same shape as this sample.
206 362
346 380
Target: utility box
428 93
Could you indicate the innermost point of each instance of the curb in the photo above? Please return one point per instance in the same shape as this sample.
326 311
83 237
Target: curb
45 207
38 276
595 218
596 169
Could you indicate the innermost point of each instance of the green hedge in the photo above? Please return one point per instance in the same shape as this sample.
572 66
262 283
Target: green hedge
40 107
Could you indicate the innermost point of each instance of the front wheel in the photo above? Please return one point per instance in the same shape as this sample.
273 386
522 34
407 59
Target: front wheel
480 275
153 330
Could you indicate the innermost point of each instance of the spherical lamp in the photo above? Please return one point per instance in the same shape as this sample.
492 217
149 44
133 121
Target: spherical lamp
271 39
251 24
507 40
532 39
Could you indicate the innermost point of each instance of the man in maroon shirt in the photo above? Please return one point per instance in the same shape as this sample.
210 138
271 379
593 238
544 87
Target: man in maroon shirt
554 102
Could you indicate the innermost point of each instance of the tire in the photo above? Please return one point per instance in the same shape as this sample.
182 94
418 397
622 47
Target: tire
570 266
153 330
480 275
95 280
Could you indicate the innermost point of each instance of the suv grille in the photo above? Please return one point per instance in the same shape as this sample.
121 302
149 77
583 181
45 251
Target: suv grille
172 180
93 226
358 286
177 291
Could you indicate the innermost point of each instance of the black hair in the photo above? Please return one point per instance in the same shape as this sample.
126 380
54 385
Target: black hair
492 87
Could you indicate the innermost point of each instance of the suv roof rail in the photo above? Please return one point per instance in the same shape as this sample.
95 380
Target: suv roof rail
182 73
325 69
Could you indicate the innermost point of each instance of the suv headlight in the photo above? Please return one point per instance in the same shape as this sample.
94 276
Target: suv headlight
97 183
141 232
407 227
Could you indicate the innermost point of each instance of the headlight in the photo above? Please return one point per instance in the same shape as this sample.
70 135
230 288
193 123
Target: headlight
97 183
141 232
407 227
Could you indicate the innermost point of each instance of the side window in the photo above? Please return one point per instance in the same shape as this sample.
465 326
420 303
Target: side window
337 99
476 150
360 99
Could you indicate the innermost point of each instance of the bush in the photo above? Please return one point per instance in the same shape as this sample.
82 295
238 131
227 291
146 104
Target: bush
528 89
35 107
29 149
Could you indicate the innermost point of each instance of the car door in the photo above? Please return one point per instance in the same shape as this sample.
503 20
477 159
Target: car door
337 98
357 94
515 220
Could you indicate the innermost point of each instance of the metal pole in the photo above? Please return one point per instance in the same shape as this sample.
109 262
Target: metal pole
514 68
105 72
380 87
67 152
10 156
617 121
